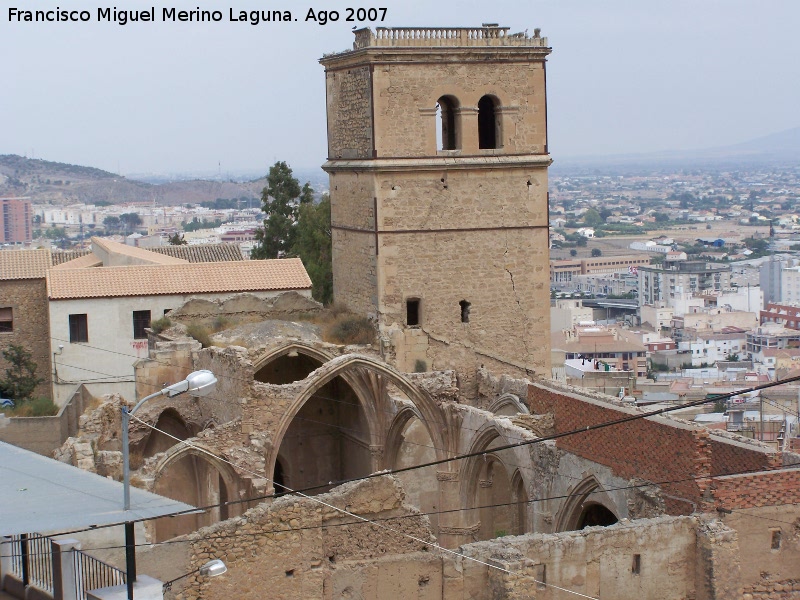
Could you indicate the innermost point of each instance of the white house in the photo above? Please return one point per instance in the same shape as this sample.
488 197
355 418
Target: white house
98 314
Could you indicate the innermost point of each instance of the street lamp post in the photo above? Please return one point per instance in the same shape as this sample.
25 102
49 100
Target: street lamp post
199 383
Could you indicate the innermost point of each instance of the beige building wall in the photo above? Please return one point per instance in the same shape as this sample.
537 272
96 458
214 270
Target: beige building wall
444 227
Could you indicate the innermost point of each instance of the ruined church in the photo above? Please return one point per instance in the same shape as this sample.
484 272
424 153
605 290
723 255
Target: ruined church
438 159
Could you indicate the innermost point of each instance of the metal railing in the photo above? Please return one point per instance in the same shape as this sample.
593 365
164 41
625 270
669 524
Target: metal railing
94 573
32 560
32 563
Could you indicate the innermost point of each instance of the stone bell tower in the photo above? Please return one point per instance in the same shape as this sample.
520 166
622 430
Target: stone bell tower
437 156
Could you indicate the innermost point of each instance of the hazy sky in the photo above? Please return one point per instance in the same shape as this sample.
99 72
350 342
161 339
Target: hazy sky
624 76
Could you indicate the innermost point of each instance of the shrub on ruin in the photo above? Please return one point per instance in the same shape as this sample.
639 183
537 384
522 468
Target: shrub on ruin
38 407
160 325
350 329
200 333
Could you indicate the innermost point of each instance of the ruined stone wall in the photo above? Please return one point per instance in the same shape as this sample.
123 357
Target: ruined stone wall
27 299
655 449
770 538
403 91
349 97
300 548
244 308
598 562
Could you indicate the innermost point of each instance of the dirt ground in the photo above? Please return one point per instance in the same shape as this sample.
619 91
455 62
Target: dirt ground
619 245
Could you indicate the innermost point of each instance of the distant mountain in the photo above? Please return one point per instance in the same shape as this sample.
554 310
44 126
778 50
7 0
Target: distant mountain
782 148
61 183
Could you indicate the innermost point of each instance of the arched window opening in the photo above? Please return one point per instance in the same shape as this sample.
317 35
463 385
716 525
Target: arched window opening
287 369
488 123
446 123
595 515
173 426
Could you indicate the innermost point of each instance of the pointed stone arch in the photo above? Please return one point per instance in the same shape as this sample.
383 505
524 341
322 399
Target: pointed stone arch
506 402
205 481
394 435
583 497
428 410
286 348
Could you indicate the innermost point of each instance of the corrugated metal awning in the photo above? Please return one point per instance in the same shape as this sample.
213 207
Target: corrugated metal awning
44 495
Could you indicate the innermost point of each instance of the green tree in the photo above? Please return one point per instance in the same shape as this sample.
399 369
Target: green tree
605 213
596 252
313 245
131 221
177 240
573 253
661 217
112 223
20 379
280 202
592 218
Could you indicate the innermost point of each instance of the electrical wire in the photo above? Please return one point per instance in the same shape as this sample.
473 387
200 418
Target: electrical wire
414 538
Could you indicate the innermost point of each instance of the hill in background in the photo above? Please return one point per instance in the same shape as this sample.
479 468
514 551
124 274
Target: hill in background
61 184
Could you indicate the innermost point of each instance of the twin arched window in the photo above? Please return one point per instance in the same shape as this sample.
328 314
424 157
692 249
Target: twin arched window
489 124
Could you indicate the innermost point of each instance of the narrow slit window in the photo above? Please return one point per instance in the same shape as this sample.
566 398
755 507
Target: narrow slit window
412 312
465 308
540 575
775 543
636 567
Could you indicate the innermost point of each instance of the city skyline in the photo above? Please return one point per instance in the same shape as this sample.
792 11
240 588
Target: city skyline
200 97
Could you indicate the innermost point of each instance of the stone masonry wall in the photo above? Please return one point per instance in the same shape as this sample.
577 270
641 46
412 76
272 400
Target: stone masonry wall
28 301
504 280
403 129
355 281
349 113
296 548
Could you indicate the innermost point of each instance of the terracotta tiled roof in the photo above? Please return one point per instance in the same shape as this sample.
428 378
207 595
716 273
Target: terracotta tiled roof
140 254
185 278
202 252
24 264
82 262
59 257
